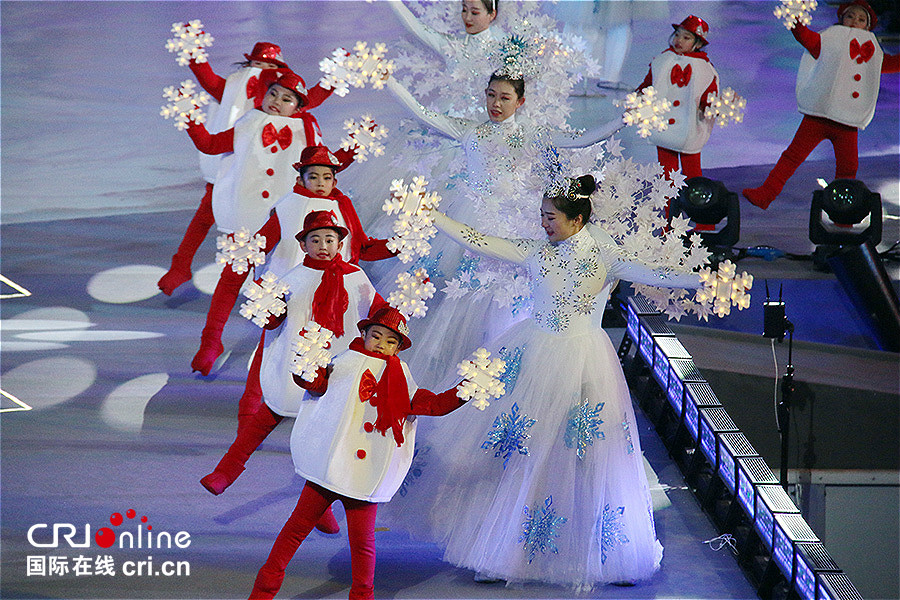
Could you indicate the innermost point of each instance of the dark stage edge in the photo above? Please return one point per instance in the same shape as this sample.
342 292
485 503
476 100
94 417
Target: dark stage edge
73 459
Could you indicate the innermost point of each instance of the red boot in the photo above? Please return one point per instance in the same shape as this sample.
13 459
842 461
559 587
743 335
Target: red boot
210 349
180 271
228 469
761 196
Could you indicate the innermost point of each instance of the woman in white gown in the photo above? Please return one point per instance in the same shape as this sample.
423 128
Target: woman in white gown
547 483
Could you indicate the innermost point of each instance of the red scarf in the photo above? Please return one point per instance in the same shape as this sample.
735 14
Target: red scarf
331 300
391 394
351 219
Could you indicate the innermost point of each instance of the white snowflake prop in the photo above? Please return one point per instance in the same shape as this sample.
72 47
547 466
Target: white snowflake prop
190 42
481 378
184 104
726 108
414 226
364 136
240 250
311 351
364 65
645 110
266 299
724 288
413 289
792 12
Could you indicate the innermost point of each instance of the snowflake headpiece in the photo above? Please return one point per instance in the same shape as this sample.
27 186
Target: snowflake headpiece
517 57
568 188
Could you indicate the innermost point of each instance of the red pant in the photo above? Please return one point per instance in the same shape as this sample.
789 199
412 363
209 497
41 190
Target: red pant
690 163
314 500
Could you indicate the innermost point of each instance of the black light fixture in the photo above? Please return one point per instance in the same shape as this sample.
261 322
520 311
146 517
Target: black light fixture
707 203
846 203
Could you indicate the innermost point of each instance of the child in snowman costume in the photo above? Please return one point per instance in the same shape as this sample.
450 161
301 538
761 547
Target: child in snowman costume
837 89
685 77
265 142
324 288
353 440
235 95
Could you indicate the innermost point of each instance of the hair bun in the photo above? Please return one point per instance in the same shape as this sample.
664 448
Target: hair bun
586 185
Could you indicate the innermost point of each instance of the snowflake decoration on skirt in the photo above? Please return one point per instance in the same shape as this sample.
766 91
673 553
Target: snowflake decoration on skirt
311 351
413 290
364 137
509 434
540 529
364 65
724 288
726 108
414 226
481 378
240 250
184 104
190 42
611 530
645 110
266 299
583 427
792 12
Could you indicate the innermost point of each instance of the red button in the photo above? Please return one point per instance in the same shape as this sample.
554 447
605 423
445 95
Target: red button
857 77
671 121
274 149
265 194
676 103
368 427
855 94
270 172
372 400
360 454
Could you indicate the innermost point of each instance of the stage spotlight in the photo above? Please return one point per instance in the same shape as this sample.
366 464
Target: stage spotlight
707 203
839 214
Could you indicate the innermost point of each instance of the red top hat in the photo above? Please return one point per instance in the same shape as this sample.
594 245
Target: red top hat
290 80
321 219
873 18
320 156
267 52
390 317
695 25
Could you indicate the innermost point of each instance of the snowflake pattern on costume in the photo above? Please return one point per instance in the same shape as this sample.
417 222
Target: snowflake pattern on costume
557 321
431 264
611 531
629 445
584 304
513 359
540 529
583 427
419 462
474 237
509 434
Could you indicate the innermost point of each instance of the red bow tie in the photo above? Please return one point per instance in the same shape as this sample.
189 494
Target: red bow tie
367 385
862 53
681 77
254 87
283 136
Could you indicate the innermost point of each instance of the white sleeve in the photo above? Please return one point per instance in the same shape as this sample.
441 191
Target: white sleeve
589 137
636 272
436 41
515 251
453 128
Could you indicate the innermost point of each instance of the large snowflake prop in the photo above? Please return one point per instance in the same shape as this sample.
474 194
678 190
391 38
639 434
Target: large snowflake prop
481 378
311 351
414 226
364 65
792 12
724 288
509 434
240 250
266 299
540 529
365 137
190 42
413 289
726 108
645 110
184 104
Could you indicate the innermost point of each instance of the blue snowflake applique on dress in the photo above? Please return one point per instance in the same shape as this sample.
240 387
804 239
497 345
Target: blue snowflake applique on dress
583 427
513 359
419 461
611 530
509 434
629 445
540 529
431 264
